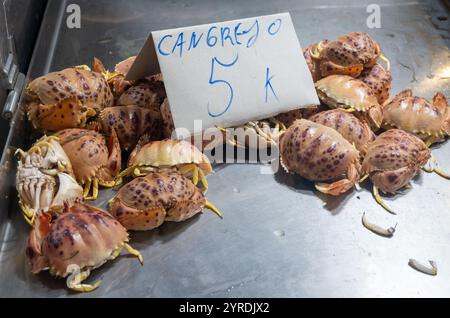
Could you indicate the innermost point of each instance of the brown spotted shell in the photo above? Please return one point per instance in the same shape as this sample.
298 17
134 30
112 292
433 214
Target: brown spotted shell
351 128
418 116
169 153
131 122
316 152
84 235
394 158
90 88
146 93
89 153
379 81
146 202
341 91
166 114
349 54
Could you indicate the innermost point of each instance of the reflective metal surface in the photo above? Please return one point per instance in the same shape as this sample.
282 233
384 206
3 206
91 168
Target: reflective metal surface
278 237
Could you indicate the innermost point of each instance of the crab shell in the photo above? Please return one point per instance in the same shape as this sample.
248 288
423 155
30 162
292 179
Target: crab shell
429 121
130 123
351 128
394 158
166 114
341 91
84 235
146 202
44 179
119 83
91 156
379 81
65 99
147 93
349 54
317 153
169 153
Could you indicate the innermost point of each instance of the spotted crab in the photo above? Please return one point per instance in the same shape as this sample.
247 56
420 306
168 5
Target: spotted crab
350 94
130 123
66 99
146 202
179 155
428 121
80 240
351 128
392 160
44 179
349 54
319 153
94 160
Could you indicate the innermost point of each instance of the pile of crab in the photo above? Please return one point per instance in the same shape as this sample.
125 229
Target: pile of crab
90 119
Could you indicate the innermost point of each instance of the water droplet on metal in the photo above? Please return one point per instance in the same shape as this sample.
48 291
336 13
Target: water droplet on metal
279 233
236 190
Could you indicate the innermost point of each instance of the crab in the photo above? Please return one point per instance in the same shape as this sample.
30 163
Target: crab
95 162
352 95
44 179
319 153
148 93
428 121
351 128
179 155
131 122
392 160
146 202
349 54
80 240
66 99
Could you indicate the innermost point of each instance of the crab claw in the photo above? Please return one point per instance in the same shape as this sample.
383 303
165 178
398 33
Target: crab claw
341 186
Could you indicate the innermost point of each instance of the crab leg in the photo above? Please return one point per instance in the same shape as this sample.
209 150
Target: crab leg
87 188
134 252
386 60
203 180
75 279
28 215
232 142
435 168
380 201
94 189
212 207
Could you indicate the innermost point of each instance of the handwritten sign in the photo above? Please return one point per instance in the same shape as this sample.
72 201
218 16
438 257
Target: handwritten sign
229 73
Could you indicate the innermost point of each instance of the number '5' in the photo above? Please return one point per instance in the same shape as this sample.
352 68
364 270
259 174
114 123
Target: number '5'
212 81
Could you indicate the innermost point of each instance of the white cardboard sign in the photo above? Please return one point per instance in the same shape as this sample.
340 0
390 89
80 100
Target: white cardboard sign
229 73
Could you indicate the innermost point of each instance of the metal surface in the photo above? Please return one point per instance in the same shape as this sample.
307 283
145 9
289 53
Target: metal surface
278 237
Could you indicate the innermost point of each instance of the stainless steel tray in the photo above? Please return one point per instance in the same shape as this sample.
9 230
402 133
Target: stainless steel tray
278 237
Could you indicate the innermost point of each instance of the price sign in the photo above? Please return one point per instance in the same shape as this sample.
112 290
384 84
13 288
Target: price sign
229 73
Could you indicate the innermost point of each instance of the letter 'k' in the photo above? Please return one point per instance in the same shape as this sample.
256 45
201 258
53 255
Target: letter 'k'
268 84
